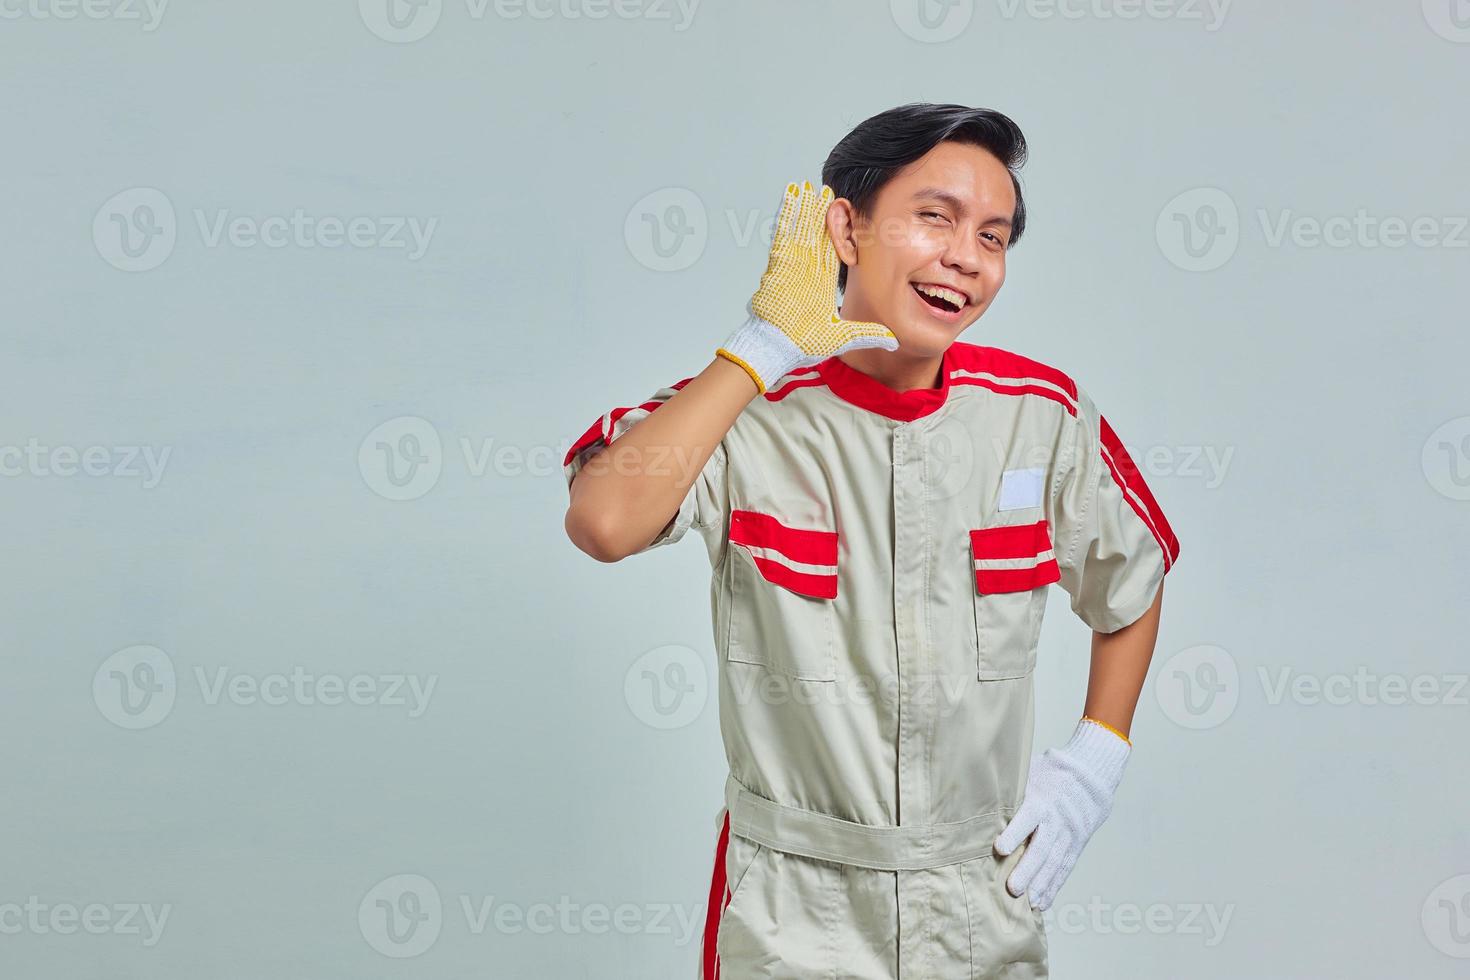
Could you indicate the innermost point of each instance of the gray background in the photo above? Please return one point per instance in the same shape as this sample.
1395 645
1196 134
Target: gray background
1257 833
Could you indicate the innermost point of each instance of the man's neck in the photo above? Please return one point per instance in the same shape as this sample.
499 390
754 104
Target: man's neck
894 370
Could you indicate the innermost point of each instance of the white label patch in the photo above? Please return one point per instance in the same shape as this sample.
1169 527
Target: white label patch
1021 488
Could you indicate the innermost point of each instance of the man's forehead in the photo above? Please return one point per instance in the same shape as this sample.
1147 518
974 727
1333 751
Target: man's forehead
969 178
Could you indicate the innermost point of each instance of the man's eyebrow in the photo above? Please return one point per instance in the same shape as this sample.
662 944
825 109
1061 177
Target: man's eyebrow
958 206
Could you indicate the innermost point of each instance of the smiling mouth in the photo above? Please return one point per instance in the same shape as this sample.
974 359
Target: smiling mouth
940 304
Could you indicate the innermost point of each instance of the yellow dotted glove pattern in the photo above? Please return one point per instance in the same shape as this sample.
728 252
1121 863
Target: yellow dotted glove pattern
798 290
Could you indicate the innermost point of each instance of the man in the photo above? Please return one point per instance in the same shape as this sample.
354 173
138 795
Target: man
884 508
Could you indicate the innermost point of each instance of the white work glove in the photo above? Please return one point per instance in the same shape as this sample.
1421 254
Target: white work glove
792 320
1069 793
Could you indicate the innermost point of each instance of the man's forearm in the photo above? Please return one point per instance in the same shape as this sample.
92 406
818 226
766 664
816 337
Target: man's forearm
1119 665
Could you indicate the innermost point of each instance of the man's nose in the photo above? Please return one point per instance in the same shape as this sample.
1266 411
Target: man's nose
962 251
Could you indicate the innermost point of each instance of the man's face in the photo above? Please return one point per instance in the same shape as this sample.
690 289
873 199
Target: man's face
944 220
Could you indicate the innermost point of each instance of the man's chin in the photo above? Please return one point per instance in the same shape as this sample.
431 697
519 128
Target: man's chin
928 338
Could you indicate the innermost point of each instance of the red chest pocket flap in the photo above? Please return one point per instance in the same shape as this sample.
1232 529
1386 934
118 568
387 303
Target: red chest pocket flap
804 561
1013 558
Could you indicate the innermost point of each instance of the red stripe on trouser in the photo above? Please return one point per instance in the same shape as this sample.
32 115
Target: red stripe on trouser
718 897
748 527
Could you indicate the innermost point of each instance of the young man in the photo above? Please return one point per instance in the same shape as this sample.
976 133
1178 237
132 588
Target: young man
884 508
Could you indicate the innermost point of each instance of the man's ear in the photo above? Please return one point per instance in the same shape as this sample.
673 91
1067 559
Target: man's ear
842 229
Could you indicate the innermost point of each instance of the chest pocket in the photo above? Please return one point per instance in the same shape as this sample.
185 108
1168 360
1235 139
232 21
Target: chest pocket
1014 564
783 585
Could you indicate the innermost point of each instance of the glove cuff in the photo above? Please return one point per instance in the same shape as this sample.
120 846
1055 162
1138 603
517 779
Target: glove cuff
763 350
1101 750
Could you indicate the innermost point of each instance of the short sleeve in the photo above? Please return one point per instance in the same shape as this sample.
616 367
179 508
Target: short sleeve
1113 543
704 506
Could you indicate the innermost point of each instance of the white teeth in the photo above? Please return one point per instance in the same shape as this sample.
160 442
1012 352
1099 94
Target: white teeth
940 292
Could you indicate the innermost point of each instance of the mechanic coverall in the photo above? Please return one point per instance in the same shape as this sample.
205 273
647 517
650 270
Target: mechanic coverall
880 569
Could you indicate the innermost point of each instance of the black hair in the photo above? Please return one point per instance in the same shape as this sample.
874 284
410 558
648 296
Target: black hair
878 147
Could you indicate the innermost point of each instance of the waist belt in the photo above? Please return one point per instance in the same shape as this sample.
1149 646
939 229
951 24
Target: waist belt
819 835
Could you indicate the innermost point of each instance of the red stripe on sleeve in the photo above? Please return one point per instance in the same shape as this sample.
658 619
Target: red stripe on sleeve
595 431
1126 474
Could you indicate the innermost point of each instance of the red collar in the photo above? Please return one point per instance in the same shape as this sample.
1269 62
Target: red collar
852 385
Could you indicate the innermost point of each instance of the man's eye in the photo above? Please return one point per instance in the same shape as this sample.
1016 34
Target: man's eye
925 214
